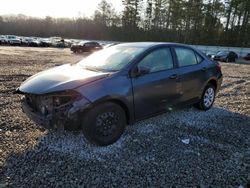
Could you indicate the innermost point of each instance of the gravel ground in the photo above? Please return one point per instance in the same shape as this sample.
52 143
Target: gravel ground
183 148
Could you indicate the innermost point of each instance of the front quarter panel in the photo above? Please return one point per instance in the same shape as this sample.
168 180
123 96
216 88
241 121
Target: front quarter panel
115 87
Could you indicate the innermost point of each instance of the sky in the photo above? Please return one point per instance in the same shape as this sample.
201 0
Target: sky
54 8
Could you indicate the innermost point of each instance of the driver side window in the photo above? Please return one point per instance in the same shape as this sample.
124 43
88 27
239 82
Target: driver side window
158 60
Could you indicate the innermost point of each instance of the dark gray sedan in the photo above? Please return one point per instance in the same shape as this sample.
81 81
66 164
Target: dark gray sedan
225 56
120 85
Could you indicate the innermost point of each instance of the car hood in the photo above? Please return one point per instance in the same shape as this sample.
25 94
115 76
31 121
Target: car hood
60 78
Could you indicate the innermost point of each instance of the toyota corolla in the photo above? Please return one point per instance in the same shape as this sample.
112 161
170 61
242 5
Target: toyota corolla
120 85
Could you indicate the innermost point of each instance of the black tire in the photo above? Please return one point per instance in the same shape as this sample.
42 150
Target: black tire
202 105
103 124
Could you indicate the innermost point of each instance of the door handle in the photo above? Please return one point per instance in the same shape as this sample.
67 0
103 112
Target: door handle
174 76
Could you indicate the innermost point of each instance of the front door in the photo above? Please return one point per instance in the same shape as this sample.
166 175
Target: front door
157 90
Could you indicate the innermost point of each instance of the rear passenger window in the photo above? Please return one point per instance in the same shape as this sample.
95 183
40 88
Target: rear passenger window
199 58
185 57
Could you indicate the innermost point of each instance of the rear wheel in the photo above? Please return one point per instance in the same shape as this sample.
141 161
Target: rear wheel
104 124
207 98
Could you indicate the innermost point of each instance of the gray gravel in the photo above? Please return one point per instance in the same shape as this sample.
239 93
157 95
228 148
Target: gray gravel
183 148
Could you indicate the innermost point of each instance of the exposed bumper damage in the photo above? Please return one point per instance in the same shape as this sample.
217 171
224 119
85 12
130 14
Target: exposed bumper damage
59 110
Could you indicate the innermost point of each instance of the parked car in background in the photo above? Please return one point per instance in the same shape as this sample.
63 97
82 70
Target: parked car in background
45 42
30 41
247 57
24 41
35 42
85 46
58 42
226 56
210 55
3 40
13 40
120 85
67 43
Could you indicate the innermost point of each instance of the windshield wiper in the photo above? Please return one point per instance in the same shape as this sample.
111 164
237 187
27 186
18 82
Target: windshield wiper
93 68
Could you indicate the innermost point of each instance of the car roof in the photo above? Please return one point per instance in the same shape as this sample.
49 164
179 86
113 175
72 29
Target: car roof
150 44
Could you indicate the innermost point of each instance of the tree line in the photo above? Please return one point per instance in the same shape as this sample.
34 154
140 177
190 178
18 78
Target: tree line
206 22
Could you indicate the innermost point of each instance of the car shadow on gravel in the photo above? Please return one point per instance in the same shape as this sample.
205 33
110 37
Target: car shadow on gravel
184 148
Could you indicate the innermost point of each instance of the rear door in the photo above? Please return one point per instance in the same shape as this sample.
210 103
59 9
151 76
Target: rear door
192 71
158 90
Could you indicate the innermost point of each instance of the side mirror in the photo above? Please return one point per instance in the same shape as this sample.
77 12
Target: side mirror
139 71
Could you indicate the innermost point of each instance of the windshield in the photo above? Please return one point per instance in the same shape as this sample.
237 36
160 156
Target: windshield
12 37
111 59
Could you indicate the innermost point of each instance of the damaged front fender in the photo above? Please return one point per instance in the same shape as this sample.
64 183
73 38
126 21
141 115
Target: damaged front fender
78 106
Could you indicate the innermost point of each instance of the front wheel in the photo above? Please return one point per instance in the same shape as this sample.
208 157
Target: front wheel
207 98
104 124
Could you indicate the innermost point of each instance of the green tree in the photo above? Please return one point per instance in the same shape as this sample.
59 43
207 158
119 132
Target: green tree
105 14
131 13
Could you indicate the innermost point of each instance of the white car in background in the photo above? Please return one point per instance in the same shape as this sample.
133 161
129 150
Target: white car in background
3 39
13 40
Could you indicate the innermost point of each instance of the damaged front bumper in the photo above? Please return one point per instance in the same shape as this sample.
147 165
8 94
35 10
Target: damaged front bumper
64 115
35 116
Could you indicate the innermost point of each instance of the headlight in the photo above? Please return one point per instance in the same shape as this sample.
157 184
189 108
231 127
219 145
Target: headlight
65 97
